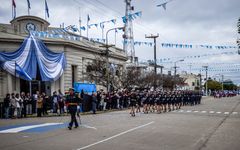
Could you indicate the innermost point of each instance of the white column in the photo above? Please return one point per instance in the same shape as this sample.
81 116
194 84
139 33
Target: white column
62 83
9 83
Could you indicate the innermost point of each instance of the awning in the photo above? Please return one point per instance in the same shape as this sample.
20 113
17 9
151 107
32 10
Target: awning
32 53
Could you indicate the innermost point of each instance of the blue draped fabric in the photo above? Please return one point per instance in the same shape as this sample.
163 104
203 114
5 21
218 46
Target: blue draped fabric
31 53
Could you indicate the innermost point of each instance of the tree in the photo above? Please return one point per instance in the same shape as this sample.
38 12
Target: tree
213 85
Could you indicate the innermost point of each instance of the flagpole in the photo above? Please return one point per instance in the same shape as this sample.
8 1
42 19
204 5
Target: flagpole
87 28
115 37
102 32
15 76
80 22
12 11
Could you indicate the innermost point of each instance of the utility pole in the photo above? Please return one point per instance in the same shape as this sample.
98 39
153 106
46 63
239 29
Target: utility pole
238 40
128 44
175 71
190 67
222 82
206 89
154 37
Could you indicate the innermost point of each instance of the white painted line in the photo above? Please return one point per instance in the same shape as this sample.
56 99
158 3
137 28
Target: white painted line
196 111
211 112
234 113
203 111
112 137
86 126
219 112
226 113
19 129
189 111
181 111
25 136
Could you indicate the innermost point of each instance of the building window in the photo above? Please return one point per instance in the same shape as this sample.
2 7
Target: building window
74 74
193 83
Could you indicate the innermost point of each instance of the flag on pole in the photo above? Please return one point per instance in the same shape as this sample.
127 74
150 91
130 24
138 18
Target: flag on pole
22 73
88 18
13 9
46 8
29 6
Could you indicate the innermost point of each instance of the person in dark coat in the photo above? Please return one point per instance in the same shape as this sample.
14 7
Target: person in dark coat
94 102
72 102
6 104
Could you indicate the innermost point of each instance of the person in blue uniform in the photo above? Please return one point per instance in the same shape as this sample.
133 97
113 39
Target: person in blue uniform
72 102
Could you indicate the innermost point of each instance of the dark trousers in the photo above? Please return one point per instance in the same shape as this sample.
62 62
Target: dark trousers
39 112
73 119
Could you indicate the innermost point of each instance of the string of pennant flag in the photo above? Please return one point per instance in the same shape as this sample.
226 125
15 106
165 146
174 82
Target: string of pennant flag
172 59
185 46
102 24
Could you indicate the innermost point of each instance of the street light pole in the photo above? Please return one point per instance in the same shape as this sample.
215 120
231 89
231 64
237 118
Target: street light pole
107 55
154 37
222 82
206 89
175 71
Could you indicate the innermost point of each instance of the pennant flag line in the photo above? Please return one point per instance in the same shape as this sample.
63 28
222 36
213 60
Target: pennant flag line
132 16
171 45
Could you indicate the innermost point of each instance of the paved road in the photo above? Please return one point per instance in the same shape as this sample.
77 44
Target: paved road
213 125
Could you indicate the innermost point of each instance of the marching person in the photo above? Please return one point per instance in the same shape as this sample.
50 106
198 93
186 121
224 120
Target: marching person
72 102
133 100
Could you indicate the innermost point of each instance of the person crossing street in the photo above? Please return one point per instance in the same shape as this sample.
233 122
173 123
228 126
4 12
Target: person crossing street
72 102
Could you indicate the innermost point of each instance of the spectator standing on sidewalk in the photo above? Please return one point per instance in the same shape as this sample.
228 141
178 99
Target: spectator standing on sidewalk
12 106
55 99
19 103
94 102
45 104
60 102
7 105
39 106
24 105
28 101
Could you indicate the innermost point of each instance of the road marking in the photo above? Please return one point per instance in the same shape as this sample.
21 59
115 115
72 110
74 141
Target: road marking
23 128
87 126
196 111
181 111
234 113
219 112
211 112
189 111
226 113
112 137
203 111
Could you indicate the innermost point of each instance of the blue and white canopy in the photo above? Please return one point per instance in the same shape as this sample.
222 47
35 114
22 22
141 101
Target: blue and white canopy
32 54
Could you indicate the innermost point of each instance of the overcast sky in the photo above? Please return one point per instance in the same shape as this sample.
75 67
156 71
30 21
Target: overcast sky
211 22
